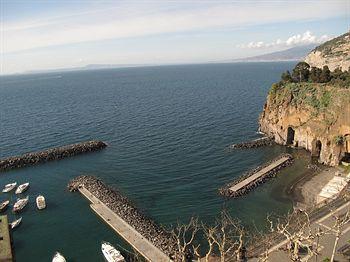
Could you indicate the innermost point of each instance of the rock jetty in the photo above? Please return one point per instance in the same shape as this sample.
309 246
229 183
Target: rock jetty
119 204
50 155
227 192
264 141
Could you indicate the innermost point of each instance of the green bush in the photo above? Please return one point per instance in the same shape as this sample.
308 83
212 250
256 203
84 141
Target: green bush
302 73
339 140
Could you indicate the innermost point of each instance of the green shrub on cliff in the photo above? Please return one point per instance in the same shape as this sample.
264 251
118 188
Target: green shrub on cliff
325 99
325 75
315 74
339 140
302 73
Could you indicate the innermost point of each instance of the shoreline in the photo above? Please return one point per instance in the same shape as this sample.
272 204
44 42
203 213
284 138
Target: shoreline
294 189
303 191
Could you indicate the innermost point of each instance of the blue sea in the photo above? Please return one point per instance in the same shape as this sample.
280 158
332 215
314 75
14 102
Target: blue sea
168 129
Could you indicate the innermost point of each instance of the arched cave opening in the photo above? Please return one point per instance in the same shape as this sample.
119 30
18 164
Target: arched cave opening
318 148
290 136
346 157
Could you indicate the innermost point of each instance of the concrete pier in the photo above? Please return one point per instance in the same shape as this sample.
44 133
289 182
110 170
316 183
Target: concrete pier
5 240
50 154
128 233
255 177
151 240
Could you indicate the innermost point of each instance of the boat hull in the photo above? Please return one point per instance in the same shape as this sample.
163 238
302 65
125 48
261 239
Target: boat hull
22 188
40 202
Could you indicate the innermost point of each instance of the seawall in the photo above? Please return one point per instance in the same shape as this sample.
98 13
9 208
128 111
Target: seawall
248 181
122 207
264 141
56 153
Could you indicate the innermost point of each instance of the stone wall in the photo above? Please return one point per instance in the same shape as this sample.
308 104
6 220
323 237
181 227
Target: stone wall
50 155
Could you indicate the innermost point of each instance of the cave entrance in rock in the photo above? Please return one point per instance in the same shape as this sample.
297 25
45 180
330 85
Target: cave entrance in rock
318 147
290 136
346 157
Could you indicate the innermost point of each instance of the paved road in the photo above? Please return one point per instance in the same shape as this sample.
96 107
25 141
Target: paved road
134 238
325 221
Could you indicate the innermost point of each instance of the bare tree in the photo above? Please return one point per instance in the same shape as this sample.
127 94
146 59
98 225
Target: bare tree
296 228
209 233
340 222
184 235
228 236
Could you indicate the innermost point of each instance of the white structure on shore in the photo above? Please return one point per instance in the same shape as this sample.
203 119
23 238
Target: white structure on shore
333 188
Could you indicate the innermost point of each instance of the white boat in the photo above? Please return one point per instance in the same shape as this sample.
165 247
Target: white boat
20 204
40 202
21 188
110 253
9 187
4 204
58 258
15 223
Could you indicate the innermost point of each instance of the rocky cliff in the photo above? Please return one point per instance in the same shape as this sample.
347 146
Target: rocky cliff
313 115
334 53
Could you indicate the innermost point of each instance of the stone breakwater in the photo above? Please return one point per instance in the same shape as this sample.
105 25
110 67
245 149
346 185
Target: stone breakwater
264 141
228 192
50 155
119 204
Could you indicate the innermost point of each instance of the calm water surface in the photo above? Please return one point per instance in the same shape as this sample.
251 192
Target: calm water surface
167 130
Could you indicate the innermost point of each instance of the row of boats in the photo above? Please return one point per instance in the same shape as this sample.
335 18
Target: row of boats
21 202
110 253
20 189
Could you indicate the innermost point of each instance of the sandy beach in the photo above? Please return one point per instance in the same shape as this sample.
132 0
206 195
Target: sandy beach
305 190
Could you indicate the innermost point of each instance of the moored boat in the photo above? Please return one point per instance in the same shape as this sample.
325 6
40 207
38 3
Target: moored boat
110 253
21 188
20 204
58 257
9 187
4 205
15 223
40 202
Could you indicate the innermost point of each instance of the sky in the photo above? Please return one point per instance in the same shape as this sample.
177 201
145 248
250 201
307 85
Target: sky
51 34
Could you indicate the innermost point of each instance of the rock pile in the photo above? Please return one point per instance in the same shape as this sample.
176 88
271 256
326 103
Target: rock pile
50 154
119 204
225 191
264 141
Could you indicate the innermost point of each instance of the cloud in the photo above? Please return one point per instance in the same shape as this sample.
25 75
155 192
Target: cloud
295 40
152 18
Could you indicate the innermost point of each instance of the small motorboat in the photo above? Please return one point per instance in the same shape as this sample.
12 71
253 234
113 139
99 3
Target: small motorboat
4 205
40 202
21 188
9 187
58 258
20 204
16 223
110 253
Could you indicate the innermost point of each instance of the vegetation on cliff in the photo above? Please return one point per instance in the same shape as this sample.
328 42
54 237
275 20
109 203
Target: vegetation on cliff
327 48
334 53
302 88
303 73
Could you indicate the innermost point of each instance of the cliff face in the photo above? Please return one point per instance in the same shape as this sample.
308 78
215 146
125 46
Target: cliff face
312 116
334 53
